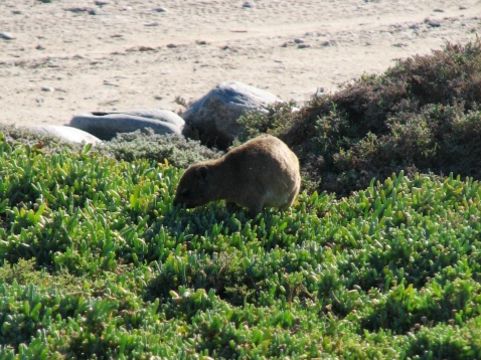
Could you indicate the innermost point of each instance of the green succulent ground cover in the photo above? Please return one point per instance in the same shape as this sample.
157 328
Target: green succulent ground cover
97 263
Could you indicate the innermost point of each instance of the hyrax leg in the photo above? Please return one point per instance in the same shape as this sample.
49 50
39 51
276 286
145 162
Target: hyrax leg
255 205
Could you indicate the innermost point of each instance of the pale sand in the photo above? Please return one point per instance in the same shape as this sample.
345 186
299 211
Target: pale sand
62 63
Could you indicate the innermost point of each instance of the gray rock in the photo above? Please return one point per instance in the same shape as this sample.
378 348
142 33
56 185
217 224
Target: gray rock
84 9
101 3
105 125
65 133
432 22
6 36
214 116
152 24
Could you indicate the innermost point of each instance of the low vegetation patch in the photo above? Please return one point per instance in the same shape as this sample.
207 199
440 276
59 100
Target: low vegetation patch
141 144
16 136
174 149
96 262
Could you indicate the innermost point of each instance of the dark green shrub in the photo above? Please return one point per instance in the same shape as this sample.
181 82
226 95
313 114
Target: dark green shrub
275 122
421 115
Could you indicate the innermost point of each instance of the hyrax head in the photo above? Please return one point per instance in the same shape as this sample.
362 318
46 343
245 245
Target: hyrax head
193 189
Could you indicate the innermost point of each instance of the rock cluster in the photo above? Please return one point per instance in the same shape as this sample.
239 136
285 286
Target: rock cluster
213 118
106 125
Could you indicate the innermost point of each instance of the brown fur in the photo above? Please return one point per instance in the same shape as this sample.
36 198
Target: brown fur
261 172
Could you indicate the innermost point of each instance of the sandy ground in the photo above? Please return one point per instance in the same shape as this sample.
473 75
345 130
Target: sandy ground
65 57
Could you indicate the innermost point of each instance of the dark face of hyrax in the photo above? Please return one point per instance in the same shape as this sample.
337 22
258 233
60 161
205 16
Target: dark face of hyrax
192 188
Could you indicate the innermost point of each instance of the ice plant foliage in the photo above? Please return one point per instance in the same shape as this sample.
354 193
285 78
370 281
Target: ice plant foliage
96 262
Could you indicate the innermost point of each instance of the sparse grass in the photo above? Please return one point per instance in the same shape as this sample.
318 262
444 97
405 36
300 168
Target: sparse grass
97 263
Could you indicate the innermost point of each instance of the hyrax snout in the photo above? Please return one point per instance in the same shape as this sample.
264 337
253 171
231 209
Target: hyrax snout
263 172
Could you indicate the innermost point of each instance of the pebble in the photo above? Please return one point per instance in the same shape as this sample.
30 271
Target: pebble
227 47
438 10
152 24
303 46
298 41
78 10
47 89
140 48
101 3
201 42
247 5
6 36
39 47
432 22
171 46
159 10
146 48
110 83
329 43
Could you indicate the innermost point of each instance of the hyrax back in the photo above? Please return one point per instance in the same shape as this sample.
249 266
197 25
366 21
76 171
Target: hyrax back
261 172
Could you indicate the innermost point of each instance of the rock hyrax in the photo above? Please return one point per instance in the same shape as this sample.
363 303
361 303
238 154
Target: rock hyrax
261 172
